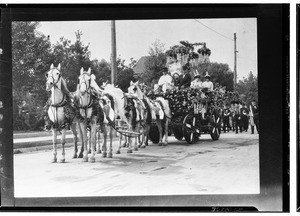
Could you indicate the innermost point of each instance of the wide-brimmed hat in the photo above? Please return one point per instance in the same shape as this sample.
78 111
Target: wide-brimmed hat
207 75
197 76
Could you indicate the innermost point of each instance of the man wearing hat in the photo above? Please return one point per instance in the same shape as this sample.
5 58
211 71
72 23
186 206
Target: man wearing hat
185 78
165 81
207 83
254 120
244 117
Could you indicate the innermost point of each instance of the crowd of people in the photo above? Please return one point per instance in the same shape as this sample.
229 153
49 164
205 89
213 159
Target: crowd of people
238 117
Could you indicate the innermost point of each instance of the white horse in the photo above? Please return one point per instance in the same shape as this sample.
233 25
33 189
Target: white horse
160 112
58 103
91 113
124 117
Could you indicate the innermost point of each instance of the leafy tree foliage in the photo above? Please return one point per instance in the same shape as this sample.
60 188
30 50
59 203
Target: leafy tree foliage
154 63
220 73
248 88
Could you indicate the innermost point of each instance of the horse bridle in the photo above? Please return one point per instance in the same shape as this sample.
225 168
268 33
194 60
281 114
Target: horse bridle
59 76
87 91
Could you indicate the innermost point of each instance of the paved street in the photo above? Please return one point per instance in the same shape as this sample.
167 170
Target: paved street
227 166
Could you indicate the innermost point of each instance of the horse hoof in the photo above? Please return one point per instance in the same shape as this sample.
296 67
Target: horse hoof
129 151
62 160
124 145
89 152
118 152
143 146
160 144
85 159
74 156
54 160
99 151
165 144
110 155
80 155
92 160
139 146
136 149
104 155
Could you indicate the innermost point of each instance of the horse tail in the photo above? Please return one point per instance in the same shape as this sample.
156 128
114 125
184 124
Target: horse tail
149 117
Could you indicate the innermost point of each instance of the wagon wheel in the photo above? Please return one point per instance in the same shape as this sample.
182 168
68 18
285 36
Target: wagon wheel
154 133
215 127
191 128
177 127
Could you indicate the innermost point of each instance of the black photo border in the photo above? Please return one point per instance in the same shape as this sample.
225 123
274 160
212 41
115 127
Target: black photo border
273 84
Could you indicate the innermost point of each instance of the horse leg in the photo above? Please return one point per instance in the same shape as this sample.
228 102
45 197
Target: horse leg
125 144
98 142
120 144
93 141
129 150
104 146
166 132
63 141
110 154
89 141
158 123
146 136
81 140
54 134
74 132
136 140
84 142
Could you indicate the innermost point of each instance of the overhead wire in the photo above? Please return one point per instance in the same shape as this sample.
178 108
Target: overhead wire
214 30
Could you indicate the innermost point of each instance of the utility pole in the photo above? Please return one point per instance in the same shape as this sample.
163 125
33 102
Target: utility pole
235 72
113 53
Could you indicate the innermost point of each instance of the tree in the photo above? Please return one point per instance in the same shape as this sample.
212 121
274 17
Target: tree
155 62
31 55
248 88
71 57
220 73
125 73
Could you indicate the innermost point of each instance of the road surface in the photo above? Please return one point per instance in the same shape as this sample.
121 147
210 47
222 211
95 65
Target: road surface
227 166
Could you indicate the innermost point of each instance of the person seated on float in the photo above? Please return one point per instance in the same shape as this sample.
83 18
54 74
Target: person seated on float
185 78
174 65
196 83
165 81
207 84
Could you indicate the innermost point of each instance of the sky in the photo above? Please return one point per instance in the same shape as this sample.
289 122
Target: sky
135 37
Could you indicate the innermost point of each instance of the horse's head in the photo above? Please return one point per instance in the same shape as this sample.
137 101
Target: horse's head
128 105
53 77
84 80
132 89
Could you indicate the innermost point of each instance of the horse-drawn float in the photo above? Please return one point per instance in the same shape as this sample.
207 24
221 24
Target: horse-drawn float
194 112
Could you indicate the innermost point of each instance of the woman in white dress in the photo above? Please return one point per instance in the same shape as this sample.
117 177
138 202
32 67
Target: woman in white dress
196 83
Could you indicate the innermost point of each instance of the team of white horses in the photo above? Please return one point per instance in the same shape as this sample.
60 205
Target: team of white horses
132 111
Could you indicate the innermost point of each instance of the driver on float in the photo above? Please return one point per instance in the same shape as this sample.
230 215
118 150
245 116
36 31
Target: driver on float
165 81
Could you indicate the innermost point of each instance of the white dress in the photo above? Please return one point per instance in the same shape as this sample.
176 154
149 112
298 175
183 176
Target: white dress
196 84
165 81
209 85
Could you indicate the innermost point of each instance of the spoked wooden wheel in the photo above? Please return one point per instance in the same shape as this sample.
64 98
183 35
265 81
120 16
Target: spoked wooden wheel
177 127
215 127
191 128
